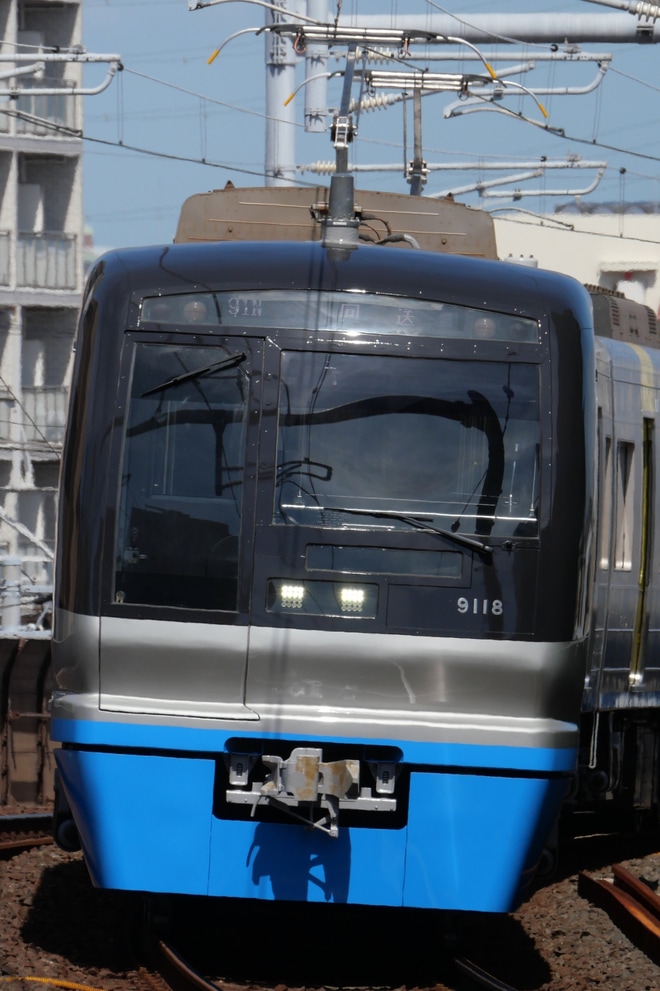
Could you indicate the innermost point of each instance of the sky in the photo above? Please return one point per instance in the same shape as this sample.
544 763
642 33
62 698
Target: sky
197 125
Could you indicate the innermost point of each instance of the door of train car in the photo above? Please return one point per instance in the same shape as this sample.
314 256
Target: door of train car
626 636
186 463
605 527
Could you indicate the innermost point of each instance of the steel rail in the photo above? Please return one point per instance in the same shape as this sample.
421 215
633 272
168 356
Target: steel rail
480 976
175 970
180 975
631 905
24 843
24 830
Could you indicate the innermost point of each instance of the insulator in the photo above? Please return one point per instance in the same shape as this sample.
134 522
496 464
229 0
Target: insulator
320 168
651 11
376 55
375 102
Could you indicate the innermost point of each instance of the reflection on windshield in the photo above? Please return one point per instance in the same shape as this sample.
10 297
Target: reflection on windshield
453 441
180 499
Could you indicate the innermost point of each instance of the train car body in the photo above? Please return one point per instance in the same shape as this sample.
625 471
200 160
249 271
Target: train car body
326 553
620 733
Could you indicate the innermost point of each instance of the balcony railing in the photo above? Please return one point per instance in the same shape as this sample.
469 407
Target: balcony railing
5 250
46 260
45 413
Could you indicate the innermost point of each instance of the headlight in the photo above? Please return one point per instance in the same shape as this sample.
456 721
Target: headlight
351 599
319 598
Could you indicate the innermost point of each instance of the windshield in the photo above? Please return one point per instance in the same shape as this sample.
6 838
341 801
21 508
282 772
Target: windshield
180 499
455 442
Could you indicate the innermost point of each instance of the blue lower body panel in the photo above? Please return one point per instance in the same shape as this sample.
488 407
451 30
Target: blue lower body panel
470 841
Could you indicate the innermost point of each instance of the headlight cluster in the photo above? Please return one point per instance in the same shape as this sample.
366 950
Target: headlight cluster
319 598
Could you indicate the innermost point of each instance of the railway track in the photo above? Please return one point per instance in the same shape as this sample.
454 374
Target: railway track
429 951
20 831
54 925
177 974
630 903
173 971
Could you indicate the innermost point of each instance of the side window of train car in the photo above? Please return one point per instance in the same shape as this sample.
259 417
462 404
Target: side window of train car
625 500
605 514
180 497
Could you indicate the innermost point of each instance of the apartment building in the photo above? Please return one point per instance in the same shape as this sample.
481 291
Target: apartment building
41 268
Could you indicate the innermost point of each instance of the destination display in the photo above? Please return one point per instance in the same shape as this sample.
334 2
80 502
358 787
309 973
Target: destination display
348 312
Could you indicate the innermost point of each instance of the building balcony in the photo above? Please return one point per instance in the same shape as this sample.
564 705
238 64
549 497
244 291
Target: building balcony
45 413
48 109
46 260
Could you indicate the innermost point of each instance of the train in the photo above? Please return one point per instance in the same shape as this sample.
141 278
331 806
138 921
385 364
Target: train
356 575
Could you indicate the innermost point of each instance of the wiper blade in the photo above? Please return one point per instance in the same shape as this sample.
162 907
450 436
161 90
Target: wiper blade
419 523
231 362
302 467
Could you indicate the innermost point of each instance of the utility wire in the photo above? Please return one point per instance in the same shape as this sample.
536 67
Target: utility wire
152 153
36 426
557 132
634 79
201 96
203 160
546 221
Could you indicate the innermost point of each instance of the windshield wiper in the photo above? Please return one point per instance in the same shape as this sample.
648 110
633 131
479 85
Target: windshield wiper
302 468
419 523
231 362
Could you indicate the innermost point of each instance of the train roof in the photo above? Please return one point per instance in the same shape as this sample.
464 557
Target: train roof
226 266
623 319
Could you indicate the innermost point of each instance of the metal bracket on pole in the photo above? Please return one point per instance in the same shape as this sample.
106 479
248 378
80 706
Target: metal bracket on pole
36 64
418 169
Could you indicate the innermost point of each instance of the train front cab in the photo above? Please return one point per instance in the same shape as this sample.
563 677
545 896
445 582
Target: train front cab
320 620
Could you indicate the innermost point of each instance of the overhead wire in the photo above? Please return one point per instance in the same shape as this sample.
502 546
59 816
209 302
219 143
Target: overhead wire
557 132
407 62
153 153
203 160
201 96
205 101
27 415
568 227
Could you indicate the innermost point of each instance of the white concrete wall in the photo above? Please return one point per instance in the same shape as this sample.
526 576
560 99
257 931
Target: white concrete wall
617 251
